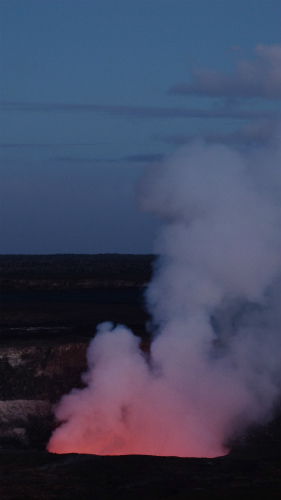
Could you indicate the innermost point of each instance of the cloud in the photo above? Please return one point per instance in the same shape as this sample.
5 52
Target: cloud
253 134
147 157
144 112
259 77
45 145
136 158
75 159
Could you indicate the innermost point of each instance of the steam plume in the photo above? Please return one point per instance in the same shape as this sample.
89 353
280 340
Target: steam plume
215 362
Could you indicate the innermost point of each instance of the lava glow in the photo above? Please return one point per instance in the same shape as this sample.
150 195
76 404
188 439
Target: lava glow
149 421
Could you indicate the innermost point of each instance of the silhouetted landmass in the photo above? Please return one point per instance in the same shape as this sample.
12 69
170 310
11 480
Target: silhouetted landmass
51 296
19 271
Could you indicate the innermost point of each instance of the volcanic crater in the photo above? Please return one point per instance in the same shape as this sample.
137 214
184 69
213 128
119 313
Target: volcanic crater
50 307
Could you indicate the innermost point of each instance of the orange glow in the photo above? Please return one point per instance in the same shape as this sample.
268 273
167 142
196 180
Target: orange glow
114 445
129 408
122 439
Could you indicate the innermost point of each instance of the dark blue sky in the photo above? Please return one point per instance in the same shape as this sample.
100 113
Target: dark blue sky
94 91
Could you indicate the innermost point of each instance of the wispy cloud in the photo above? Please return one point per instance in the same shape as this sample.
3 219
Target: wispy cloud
258 134
144 112
146 157
12 145
75 159
259 77
136 158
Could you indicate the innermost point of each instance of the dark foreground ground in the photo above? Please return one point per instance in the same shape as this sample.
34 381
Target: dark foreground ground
50 307
38 475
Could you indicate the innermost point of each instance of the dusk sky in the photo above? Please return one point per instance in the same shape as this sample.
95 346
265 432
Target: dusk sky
95 91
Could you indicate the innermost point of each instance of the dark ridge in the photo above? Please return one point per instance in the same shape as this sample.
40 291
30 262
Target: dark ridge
76 266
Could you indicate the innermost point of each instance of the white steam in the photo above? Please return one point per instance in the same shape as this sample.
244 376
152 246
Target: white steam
215 359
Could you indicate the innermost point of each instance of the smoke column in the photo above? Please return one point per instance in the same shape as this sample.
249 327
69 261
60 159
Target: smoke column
214 366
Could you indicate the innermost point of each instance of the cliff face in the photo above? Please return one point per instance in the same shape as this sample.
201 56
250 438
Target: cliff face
41 371
35 272
50 307
33 377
